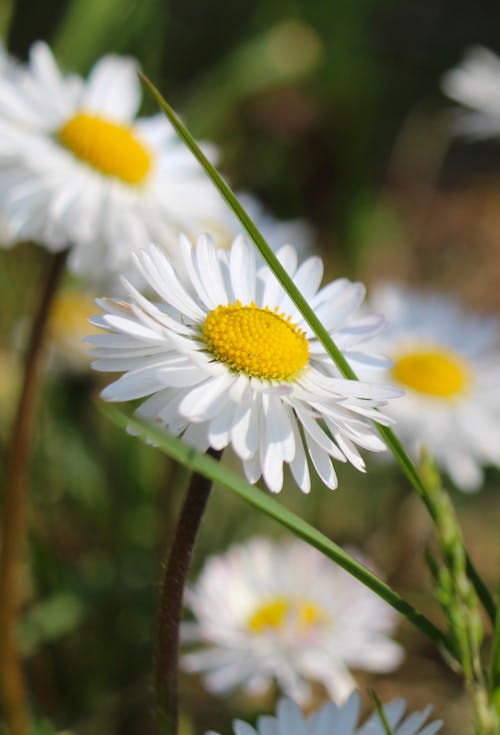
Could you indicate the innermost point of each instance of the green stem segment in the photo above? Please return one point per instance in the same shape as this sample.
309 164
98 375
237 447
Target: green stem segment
170 614
13 696
209 468
495 664
317 327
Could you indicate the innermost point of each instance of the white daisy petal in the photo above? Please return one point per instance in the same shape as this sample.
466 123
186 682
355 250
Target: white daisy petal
245 430
252 469
298 466
322 463
474 84
206 400
243 271
208 264
113 88
241 728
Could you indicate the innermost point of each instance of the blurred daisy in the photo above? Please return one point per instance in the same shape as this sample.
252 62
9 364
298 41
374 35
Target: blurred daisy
475 83
78 169
448 362
228 360
282 612
333 719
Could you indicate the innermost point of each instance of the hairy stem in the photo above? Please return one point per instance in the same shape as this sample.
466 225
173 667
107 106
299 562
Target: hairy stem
14 700
176 569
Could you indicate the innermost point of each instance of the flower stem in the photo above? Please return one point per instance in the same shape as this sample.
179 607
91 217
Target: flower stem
13 696
176 569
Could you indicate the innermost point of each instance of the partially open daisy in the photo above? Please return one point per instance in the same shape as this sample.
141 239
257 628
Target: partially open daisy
475 84
78 169
227 359
282 612
334 719
448 362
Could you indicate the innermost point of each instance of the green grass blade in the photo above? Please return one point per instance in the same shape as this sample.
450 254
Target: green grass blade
381 713
399 452
495 662
205 465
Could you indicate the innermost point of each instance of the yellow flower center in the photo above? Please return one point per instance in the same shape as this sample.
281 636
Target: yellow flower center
70 314
258 342
280 613
435 372
69 323
112 149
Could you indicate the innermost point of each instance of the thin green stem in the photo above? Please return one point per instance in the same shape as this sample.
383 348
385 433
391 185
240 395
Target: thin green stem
402 457
13 695
381 713
205 465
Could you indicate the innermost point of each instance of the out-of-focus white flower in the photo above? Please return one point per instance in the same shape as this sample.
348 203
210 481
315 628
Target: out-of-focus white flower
79 170
332 719
448 362
7 63
475 83
228 360
281 611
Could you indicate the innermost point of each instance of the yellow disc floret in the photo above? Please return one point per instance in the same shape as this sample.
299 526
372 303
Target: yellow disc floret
298 616
273 614
258 342
437 372
110 148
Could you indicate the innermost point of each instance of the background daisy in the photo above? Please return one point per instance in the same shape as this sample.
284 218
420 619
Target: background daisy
475 83
228 360
281 612
341 719
78 169
448 362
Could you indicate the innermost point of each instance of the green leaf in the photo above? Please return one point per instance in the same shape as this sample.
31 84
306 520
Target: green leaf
210 468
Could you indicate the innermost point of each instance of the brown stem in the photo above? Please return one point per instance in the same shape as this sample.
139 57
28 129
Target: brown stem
176 569
13 696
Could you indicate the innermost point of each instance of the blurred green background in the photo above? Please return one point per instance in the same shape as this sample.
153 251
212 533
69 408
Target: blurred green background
328 111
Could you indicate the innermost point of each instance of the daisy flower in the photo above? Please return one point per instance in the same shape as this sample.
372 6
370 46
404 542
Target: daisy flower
475 83
78 169
448 362
282 612
227 359
333 719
